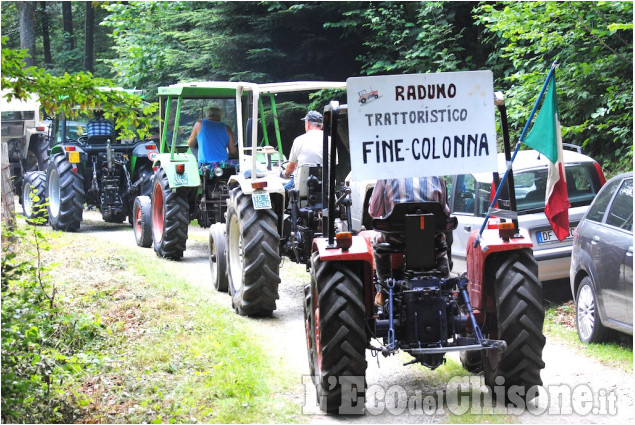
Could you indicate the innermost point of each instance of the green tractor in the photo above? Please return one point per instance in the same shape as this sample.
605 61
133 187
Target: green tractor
242 200
96 171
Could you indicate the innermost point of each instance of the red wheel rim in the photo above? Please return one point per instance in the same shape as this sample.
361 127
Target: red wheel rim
157 213
137 219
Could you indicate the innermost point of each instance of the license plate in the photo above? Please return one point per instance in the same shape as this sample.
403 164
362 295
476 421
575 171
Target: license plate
261 201
548 236
73 157
180 179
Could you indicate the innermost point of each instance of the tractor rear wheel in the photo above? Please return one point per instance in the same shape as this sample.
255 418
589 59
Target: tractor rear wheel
34 197
519 320
253 257
65 190
142 221
170 218
217 257
336 337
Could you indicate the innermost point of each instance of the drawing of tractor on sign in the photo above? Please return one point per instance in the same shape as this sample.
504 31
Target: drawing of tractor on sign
492 314
367 95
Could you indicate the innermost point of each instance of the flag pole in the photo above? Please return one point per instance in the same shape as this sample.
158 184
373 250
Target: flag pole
520 140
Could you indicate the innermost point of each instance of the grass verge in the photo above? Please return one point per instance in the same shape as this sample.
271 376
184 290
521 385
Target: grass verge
616 352
161 352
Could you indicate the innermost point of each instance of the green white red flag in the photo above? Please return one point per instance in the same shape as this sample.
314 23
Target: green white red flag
546 138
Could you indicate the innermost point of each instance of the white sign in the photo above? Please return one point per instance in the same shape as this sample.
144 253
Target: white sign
421 124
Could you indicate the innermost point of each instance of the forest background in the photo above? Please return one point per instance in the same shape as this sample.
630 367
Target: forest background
147 44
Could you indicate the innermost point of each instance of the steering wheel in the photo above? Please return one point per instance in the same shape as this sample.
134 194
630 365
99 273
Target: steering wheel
81 139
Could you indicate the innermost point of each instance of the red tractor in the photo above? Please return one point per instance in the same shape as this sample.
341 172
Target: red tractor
492 314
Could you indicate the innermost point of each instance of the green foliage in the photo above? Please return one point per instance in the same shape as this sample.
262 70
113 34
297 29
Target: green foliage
160 43
42 344
593 44
62 60
68 94
412 37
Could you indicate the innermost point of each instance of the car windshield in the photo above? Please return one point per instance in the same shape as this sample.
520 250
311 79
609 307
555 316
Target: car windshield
582 186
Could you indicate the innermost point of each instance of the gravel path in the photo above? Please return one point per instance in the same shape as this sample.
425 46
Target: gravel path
414 384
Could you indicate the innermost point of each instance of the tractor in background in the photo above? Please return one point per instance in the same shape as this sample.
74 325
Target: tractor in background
96 171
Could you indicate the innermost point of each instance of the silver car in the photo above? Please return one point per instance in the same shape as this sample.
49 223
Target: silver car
469 197
601 272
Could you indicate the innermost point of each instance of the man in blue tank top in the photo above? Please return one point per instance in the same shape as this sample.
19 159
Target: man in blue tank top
212 138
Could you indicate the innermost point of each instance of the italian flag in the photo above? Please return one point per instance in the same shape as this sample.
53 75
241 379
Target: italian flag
546 138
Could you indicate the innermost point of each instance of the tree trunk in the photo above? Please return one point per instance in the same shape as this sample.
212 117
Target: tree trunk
89 30
8 215
27 29
46 38
67 17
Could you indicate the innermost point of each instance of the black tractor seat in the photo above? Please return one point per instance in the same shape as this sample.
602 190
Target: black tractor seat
395 222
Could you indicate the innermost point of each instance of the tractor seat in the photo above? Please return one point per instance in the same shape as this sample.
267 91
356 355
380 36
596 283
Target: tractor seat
100 139
301 181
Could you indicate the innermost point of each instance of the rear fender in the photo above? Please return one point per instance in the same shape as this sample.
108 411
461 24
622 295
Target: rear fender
480 291
142 151
146 149
361 250
189 178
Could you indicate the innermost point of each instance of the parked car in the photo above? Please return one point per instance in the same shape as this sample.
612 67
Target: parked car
469 197
602 262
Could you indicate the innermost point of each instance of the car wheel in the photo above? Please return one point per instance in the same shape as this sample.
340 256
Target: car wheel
590 328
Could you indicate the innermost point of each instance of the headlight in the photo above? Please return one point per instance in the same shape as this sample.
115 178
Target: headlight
218 172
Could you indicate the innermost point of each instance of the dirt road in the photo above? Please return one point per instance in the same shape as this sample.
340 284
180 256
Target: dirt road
422 395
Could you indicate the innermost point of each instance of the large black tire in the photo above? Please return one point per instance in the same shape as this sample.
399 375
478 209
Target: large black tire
34 198
170 218
336 336
142 221
588 323
65 190
519 321
253 257
218 257
37 159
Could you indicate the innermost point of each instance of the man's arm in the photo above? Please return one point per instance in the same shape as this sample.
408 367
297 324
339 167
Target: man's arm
231 147
293 160
291 166
192 142
376 203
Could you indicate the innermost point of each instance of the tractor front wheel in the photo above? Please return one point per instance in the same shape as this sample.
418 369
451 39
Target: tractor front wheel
253 257
142 221
217 257
336 337
34 197
170 218
519 320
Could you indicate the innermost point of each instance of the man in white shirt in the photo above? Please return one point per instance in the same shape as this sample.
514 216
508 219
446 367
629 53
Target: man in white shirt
307 148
